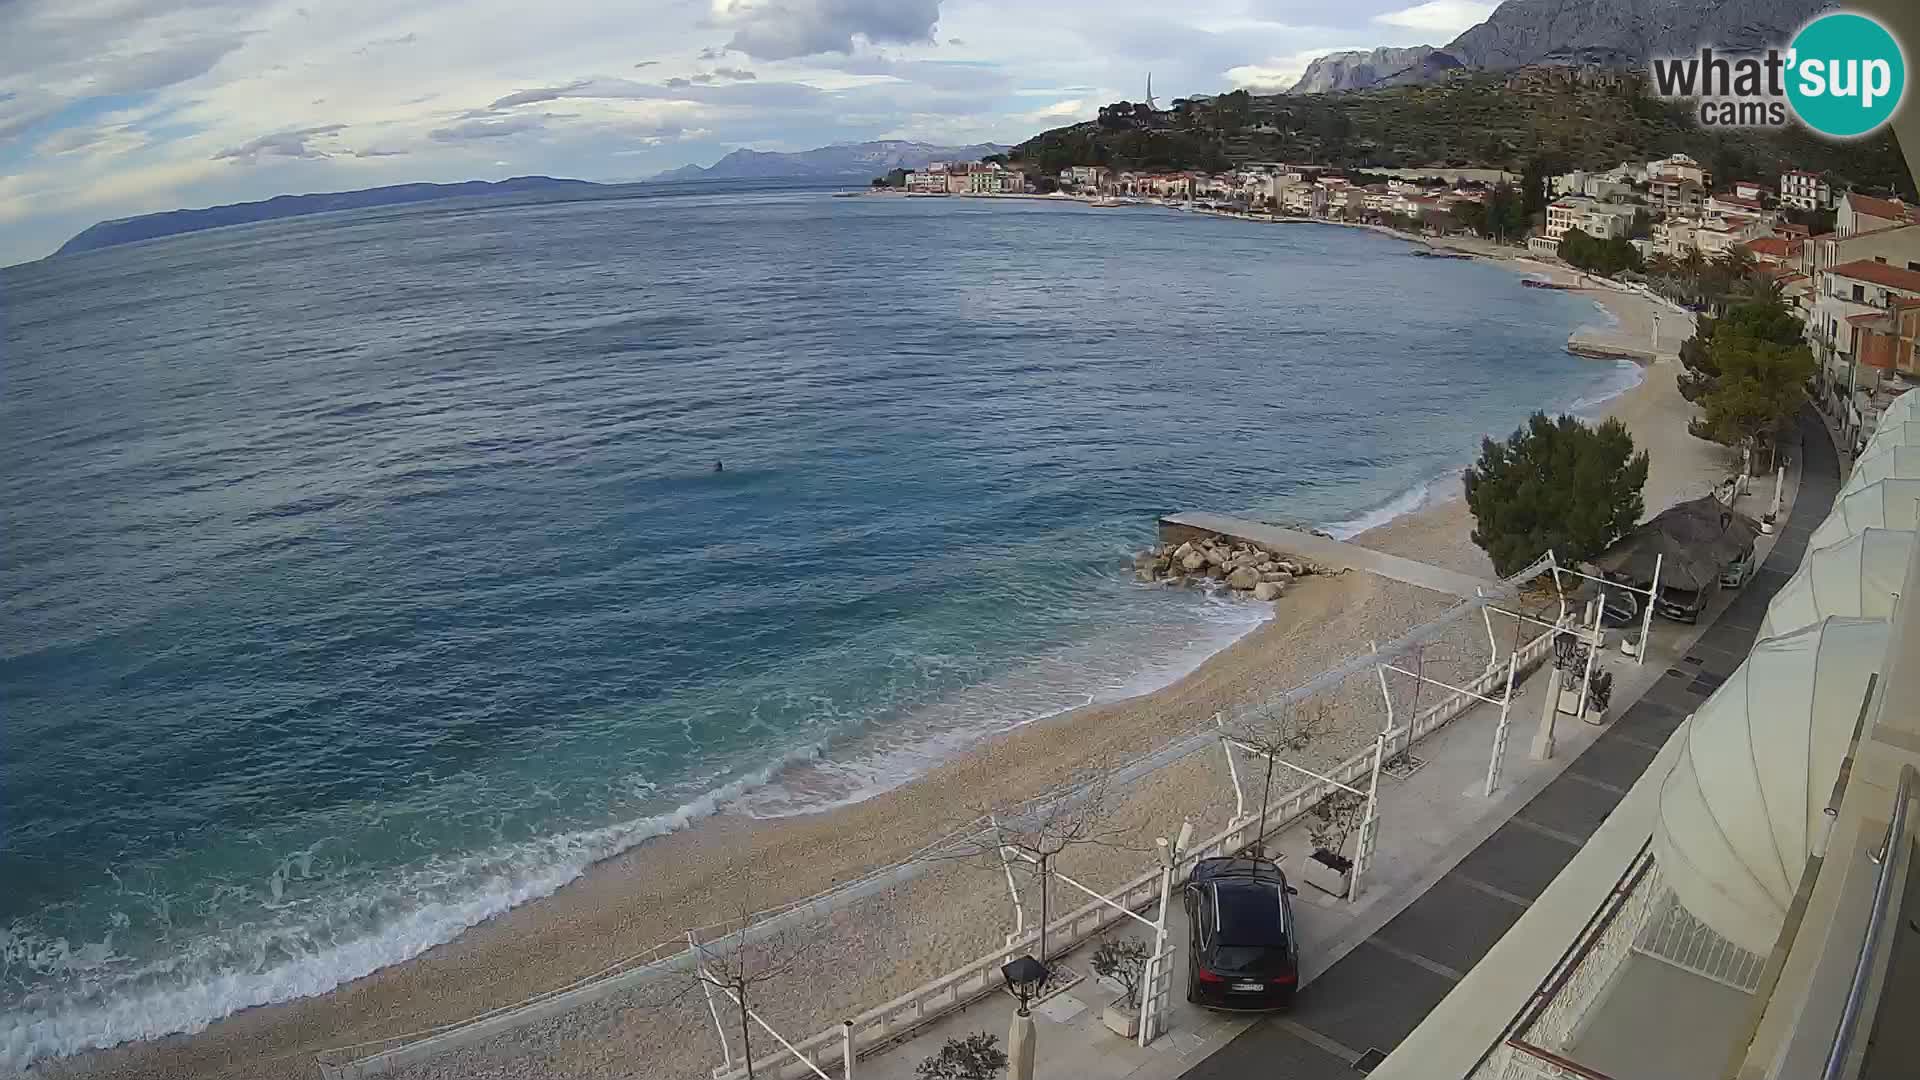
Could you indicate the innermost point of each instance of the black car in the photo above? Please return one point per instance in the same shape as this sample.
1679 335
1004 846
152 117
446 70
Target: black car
1241 948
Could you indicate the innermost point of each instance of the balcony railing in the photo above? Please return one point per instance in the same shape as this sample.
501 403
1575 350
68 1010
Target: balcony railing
1840 1057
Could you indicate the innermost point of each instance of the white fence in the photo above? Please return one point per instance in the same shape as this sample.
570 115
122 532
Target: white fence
922 1005
907 1013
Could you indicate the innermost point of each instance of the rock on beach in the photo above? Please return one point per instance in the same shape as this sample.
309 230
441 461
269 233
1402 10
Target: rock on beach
1246 570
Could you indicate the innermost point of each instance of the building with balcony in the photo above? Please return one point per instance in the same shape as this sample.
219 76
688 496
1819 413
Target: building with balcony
1898 245
1679 167
1670 195
1886 341
1804 190
1598 219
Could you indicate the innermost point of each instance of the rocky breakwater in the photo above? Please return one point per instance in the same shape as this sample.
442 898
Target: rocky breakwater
1224 563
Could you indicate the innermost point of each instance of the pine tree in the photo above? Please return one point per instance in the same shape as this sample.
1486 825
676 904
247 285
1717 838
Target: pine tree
1555 485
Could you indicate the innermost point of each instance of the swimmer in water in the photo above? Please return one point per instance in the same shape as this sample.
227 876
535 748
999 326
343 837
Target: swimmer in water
718 467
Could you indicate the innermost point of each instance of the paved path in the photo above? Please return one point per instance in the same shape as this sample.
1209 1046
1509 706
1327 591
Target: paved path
1338 554
1368 1001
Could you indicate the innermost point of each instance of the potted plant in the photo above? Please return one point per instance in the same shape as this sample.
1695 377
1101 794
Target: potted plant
1599 696
975 1057
1329 824
1123 960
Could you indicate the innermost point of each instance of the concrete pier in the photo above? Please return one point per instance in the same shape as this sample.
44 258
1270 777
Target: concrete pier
1324 551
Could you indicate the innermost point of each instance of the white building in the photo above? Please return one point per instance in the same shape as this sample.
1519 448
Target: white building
1859 213
1603 220
1805 190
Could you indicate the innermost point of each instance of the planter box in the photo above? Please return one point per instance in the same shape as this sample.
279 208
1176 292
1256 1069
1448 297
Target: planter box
1569 702
1331 874
1121 1020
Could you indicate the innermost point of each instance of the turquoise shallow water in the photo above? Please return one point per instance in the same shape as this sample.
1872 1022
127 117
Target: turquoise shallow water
367 575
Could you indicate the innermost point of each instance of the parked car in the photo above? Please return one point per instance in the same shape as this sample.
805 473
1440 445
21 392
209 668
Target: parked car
1738 571
1242 952
1685 605
1619 608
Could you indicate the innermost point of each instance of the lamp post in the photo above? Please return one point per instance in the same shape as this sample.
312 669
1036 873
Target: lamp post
1024 978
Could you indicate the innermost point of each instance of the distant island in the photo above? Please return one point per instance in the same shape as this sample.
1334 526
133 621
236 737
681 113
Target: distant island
175 222
849 162
845 161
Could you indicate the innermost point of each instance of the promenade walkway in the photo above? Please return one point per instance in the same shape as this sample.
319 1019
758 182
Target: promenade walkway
1455 868
1353 1015
1336 554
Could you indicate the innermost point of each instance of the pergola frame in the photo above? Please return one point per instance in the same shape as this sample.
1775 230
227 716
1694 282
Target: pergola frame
1652 594
709 983
1369 822
1150 1004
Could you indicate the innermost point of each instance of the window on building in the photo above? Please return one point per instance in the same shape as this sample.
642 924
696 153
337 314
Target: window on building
1881 259
1860 293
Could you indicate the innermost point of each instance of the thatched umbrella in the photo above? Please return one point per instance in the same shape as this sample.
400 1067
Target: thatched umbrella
1692 541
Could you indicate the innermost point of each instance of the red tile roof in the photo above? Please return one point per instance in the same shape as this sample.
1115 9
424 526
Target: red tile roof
1891 277
1773 246
1735 200
1890 209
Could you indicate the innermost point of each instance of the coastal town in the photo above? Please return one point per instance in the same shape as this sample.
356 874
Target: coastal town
1847 262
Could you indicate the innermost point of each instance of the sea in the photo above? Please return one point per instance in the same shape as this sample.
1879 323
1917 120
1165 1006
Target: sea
368 574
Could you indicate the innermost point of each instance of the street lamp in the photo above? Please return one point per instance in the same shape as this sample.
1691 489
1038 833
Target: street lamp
1025 977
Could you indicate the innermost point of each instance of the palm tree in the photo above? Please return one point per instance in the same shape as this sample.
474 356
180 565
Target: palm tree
1762 286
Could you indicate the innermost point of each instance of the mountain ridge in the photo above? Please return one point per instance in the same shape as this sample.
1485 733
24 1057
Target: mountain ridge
862 160
1616 33
128 230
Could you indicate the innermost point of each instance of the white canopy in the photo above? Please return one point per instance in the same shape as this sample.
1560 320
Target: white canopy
1889 462
1742 807
1898 433
1902 409
1883 504
1856 577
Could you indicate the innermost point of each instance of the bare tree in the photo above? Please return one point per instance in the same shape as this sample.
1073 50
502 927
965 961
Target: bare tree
1035 832
742 956
1289 729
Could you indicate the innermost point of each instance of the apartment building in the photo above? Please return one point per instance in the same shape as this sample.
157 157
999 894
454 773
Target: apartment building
1804 190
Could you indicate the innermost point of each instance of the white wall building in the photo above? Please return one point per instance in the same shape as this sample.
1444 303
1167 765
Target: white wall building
1805 190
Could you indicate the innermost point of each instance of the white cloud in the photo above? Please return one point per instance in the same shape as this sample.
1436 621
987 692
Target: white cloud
116 107
783 29
1061 113
286 144
1277 74
1444 19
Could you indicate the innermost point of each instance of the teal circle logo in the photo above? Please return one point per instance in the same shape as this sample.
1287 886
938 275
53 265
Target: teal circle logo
1845 75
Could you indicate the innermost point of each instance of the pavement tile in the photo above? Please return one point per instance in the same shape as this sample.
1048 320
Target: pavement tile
1571 806
1270 1050
1371 998
1452 924
1614 760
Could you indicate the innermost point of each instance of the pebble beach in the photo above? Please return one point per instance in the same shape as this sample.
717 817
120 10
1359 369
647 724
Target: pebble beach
879 947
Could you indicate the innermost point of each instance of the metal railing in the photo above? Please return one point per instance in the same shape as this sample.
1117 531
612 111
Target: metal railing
1863 968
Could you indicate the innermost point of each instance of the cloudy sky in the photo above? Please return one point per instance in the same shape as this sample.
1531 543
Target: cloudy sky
116 107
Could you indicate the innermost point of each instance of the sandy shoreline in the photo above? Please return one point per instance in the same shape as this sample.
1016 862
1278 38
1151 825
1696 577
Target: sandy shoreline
729 863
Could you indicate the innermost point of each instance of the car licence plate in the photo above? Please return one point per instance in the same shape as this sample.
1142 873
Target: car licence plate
1254 986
